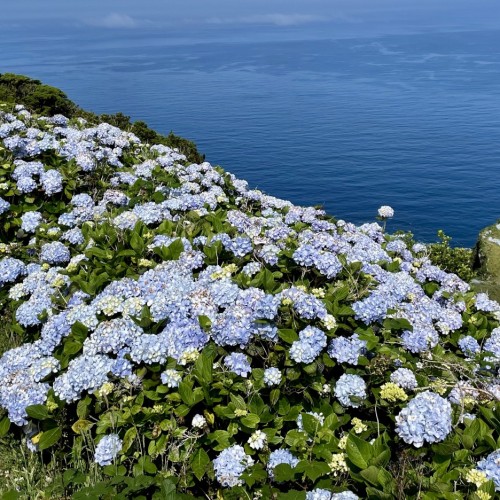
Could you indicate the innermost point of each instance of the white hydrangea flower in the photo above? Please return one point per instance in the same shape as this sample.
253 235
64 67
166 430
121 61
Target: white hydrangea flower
199 421
257 440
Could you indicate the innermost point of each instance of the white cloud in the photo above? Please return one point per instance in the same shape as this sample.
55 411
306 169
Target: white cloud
276 19
114 20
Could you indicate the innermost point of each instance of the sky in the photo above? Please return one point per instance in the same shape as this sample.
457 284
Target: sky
130 14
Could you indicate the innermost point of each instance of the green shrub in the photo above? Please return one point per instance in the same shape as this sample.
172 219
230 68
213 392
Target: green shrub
138 308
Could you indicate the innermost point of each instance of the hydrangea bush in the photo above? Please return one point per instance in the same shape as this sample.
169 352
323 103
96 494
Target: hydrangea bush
195 338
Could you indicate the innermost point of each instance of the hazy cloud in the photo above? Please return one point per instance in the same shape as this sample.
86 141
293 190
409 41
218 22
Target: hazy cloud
276 19
113 20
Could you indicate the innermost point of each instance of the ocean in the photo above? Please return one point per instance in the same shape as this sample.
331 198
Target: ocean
348 121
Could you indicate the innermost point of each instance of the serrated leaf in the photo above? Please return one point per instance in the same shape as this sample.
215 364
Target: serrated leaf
358 451
199 463
238 401
251 420
82 407
313 470
310 424
283 472
129 438
137 243
186 392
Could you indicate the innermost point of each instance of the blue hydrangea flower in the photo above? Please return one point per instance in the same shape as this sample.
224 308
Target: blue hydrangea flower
484 303
426 418
4 206
492 344
421 339
277 457
55 253
405 378
52 182
230 465
347 350
10 270
469 346
311 341
251 268
491 467
107 449
272 376
238 363
26 184
171 378
349 386
74 236
322 494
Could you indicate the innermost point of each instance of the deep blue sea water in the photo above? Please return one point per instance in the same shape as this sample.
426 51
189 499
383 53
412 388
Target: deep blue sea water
347 121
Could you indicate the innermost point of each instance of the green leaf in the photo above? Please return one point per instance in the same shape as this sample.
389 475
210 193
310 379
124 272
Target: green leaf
175 249
72 347
114 470
186 392
445 449
205 322
251 420
313 470
287 335
268 281
199 463
81 426
49 438
397 324
371 475
40 412
79 331
82 407
137 243
378 494
311 425
129 438
292 495
283 472
274 396
4 426
358 451
238 401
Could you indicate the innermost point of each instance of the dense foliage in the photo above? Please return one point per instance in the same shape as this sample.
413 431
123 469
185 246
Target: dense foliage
185 336
47 100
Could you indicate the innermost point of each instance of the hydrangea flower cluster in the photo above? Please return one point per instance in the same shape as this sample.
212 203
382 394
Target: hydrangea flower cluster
238 363
311 342
386 212
469 346
347 350
107 449
272 376
280 456
348 387
322 494
426 418
230 465
30 221
491 467
405 378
